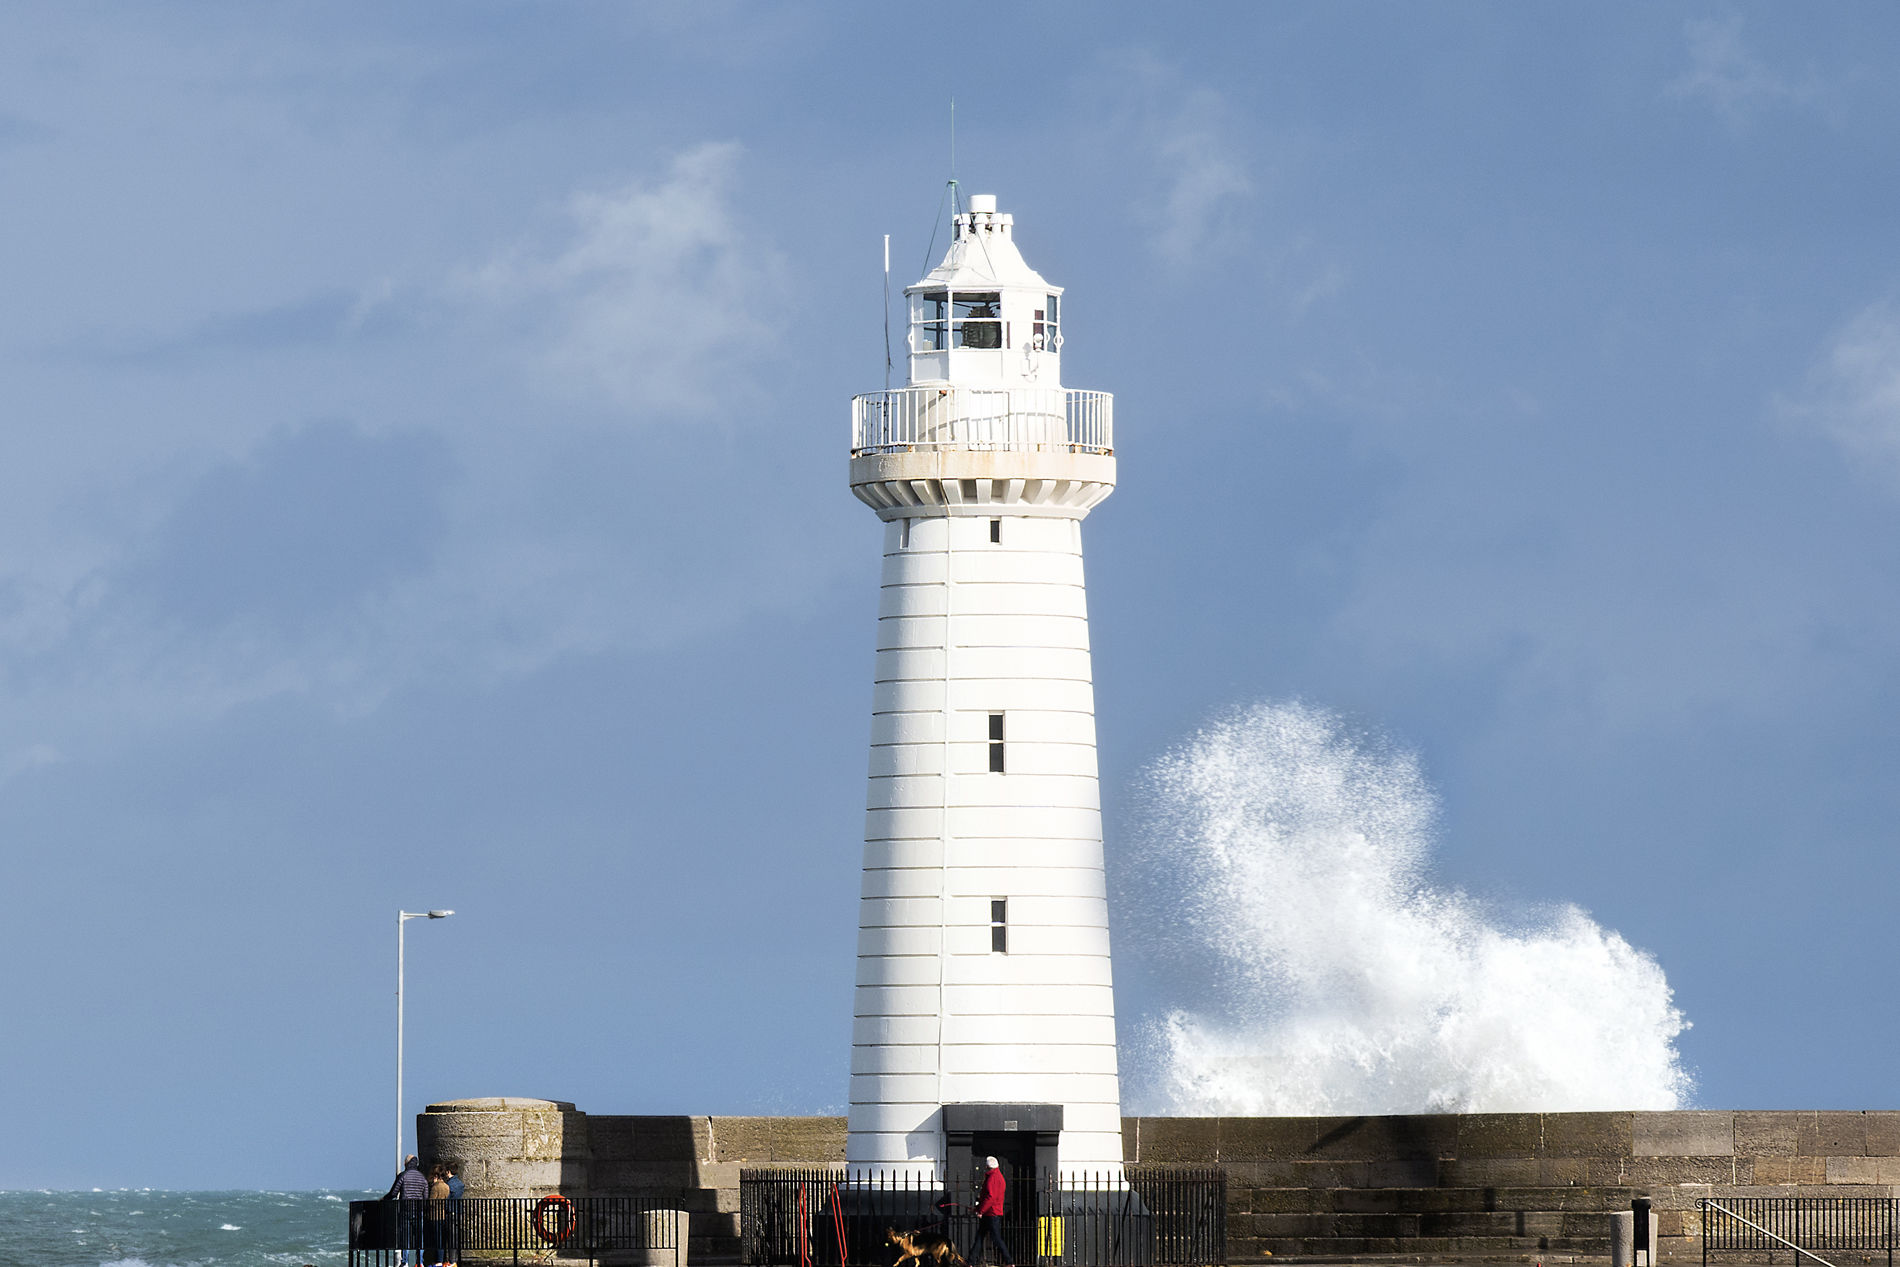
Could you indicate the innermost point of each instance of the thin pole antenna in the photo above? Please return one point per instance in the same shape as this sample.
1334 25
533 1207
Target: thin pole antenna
887 312
936 226
950 194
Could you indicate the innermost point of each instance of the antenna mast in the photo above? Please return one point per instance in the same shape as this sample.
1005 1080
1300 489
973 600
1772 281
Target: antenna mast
887 312
953 156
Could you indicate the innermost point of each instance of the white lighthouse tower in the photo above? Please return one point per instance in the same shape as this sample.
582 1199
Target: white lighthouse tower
985 1008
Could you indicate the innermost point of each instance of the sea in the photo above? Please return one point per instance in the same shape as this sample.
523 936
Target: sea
142 1227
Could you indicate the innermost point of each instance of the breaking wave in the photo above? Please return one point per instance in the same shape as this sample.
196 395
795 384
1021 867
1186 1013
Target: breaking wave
1283 879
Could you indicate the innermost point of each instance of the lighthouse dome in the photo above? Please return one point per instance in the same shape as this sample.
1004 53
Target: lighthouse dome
983 317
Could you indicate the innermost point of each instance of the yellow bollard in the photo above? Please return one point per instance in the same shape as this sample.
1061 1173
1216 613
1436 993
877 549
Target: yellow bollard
1049 1236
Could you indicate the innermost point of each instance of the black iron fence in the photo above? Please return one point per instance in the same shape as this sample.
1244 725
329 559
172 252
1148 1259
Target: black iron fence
383 1233
1797 1228
1141 1216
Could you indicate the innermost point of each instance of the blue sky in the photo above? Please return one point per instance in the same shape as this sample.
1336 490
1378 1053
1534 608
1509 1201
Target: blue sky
422 441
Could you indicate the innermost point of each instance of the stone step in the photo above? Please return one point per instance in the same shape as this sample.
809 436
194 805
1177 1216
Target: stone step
1518 1223
712 1249
1334 1247
1434 1200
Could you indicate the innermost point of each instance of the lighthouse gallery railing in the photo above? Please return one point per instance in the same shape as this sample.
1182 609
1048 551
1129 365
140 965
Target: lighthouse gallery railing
943 416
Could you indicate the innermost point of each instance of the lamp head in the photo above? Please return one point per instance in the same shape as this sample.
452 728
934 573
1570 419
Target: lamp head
440 914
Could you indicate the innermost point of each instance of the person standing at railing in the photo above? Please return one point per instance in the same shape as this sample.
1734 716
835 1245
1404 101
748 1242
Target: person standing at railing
434 1232
989 1212
452 1249
409 1192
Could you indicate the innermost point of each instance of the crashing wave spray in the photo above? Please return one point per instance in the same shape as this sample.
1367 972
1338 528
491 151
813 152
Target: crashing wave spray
1286 860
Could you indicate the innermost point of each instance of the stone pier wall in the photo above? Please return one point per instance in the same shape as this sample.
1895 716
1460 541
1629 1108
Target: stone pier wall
1504 1184
530 1148
1466 1185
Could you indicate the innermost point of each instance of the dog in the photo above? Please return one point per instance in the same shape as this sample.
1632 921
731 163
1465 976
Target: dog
914 1247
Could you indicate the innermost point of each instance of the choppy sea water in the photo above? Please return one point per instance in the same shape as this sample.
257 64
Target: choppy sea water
143 1228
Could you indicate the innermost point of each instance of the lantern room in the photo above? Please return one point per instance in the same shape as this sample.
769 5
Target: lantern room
983 317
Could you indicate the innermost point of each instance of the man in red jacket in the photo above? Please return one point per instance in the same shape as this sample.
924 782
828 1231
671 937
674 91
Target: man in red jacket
990 1210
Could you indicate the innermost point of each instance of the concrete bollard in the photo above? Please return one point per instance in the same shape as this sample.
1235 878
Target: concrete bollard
665 1228
1623 1238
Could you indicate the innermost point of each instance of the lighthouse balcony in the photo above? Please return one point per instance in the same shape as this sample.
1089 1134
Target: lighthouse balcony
938 416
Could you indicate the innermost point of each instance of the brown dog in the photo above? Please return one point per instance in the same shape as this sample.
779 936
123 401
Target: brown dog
914 1247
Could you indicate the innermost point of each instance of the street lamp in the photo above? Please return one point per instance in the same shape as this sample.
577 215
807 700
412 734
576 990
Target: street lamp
402 919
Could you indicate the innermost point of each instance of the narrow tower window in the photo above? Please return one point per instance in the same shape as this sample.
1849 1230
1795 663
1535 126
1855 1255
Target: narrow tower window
996 743
996 530
999 925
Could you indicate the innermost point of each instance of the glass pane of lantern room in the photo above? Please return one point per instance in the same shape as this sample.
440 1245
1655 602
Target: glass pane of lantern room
979 334
976 319
927 321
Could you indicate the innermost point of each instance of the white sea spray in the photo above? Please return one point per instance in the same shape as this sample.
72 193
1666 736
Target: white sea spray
1283 876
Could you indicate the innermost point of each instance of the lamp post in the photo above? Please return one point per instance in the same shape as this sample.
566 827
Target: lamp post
402 920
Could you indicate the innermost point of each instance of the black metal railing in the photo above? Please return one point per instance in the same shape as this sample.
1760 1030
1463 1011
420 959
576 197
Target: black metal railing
1799 1228
383 1233
1142 1216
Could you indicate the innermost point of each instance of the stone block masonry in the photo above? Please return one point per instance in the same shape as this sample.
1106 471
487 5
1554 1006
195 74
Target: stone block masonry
530 1148
1436 1185
1511 1184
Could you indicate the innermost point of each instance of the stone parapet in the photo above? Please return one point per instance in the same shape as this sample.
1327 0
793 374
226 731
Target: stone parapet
508 1146
512 1147
1477 1185
1505 1184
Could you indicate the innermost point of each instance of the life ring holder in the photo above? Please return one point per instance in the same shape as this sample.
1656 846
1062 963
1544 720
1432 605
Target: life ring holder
542 1207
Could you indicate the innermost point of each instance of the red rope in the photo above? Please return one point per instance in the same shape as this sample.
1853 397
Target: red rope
837 1222
804 1231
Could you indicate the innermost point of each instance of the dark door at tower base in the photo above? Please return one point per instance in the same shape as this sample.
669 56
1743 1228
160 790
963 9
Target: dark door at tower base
1016 1153
1015 1149
1024 1139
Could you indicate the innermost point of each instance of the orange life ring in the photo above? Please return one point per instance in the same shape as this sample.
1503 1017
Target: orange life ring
541 1208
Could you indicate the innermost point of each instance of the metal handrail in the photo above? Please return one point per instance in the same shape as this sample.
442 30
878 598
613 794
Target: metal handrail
1709 1203
977 419
384 1232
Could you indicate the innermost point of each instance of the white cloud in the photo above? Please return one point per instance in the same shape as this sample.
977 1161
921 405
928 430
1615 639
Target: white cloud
1728 77
1853 392
204 576
1196 176
648 295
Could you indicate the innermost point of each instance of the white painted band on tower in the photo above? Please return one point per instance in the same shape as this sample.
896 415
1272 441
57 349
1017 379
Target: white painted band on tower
983 957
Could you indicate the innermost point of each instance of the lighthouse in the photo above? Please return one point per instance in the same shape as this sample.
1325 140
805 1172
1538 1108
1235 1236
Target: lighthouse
984 1016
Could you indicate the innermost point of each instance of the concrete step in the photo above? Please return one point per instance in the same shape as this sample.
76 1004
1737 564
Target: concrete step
1478 1223
1517 1223
1501 1247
